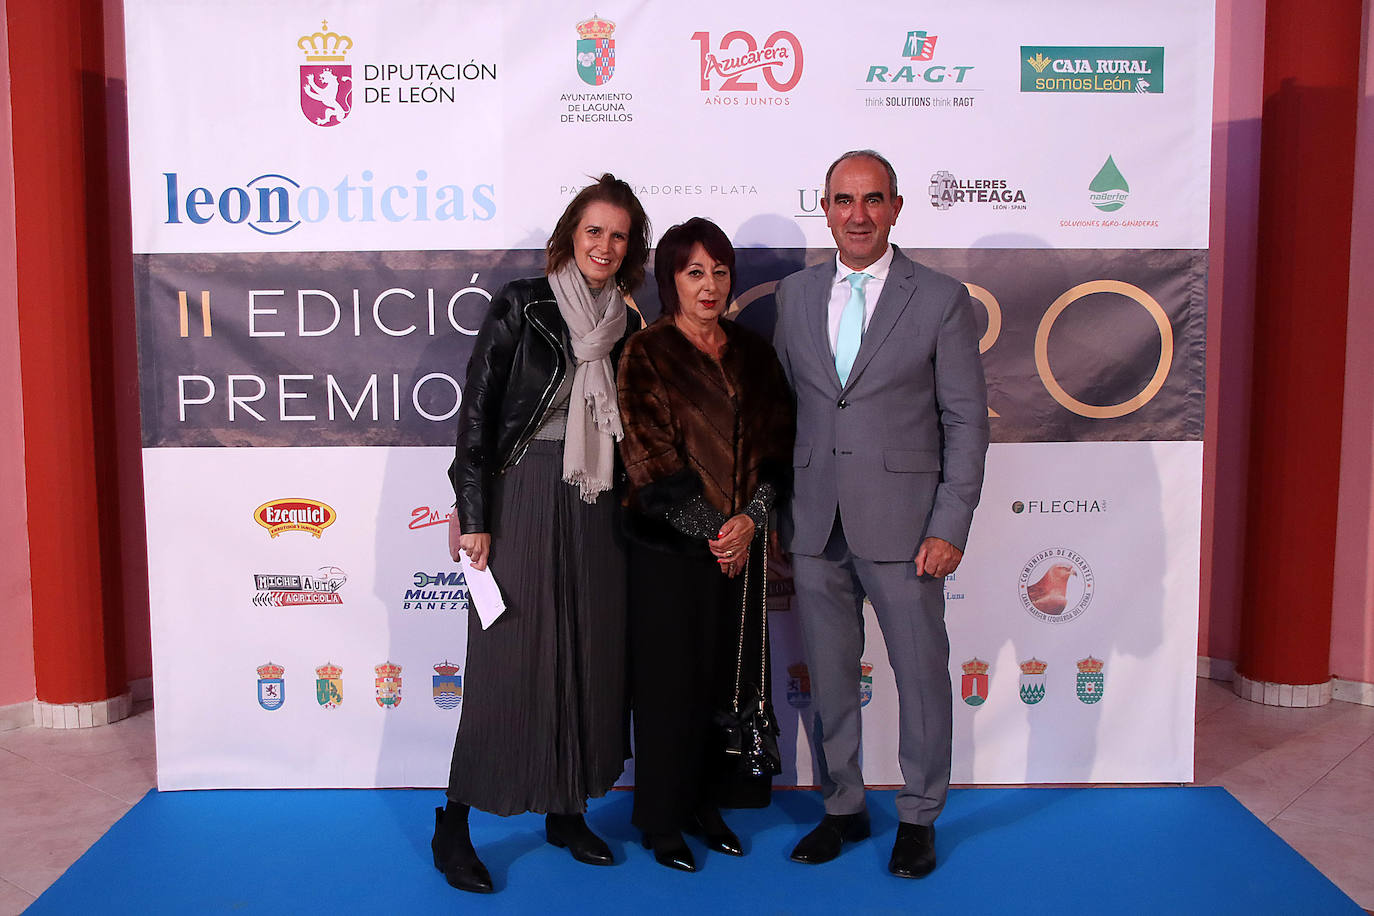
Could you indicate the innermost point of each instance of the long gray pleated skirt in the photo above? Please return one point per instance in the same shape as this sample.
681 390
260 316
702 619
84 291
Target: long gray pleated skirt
543 716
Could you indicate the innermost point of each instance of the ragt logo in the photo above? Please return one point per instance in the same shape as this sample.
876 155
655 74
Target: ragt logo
273 204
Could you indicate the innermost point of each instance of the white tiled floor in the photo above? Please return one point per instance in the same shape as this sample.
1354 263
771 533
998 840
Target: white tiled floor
1307 773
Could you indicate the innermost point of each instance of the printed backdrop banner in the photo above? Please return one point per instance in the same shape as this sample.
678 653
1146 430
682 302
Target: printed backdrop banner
318 237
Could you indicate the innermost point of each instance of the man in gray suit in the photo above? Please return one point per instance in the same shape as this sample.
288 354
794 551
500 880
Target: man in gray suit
892 432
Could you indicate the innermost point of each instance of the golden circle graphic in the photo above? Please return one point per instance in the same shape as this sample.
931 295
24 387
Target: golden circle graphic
994 309
1106 411
749 296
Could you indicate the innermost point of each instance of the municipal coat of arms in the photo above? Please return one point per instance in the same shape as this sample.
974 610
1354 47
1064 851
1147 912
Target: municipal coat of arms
388 685
865 684
974 686
271 686
329 685
326 82
1090 680
448 686
595 51
1033 681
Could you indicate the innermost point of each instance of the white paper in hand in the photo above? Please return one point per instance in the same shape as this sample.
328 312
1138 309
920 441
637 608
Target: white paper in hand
483 591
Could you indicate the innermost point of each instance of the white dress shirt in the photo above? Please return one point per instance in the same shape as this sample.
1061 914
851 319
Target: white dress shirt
840 290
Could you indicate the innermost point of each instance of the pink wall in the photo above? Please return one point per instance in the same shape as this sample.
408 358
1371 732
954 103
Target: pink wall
1352 621
16 608
1236 109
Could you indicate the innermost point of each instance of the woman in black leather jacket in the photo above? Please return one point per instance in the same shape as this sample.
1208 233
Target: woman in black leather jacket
543 725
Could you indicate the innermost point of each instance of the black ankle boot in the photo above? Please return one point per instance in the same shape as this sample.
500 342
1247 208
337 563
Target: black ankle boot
670 850
571 831
710 826
453 852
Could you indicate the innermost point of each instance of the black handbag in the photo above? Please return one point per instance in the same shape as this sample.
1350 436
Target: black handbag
750 731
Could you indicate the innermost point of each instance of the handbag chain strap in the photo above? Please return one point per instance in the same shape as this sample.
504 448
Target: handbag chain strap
743 617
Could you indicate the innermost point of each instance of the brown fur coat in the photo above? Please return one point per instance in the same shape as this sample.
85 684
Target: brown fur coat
694 426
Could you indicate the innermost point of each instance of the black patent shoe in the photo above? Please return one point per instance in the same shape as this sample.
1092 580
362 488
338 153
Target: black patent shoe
913 854
825 842
711 827
670 851
570 831
455 857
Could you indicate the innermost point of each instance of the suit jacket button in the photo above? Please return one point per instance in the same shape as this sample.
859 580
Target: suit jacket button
843 404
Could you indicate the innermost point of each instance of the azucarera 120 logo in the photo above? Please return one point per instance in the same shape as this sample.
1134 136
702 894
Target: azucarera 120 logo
273 204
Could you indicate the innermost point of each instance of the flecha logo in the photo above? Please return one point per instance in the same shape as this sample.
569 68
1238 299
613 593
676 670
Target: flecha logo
596 50
1047 68
1108 190
326 82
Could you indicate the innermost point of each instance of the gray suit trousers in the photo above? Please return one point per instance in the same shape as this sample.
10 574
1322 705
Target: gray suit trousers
911 614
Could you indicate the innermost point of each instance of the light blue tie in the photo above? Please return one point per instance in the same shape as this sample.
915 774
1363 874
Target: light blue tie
851 326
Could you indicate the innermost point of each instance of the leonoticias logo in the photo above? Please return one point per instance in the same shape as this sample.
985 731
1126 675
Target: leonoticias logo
1056 585
294 514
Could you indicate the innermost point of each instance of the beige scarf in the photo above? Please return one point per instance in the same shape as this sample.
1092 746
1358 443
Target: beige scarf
596 323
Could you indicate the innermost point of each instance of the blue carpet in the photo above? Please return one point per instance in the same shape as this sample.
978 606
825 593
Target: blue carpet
1170 850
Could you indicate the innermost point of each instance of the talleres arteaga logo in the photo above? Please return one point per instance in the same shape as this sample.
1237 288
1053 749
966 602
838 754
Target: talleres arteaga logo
1108 191
1046 68
1056 585
946 190
326 81
294 514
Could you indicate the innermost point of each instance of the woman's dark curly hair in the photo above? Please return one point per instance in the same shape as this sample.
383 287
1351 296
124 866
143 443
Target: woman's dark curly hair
610 190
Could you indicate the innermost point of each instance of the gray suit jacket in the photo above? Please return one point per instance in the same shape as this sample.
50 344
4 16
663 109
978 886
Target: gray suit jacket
899 450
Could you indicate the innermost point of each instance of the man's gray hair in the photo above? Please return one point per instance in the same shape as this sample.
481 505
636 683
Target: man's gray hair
864 154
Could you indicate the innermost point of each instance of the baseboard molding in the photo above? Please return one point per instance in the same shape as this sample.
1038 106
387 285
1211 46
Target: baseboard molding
1216 669
1352 691
16 715
81 715
141 689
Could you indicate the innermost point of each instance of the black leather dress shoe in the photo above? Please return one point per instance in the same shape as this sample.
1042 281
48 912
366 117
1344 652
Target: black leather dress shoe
711 827
824 843
670 851
455 857
913 855
571 831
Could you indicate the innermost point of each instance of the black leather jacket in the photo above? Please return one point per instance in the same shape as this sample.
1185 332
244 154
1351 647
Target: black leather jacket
519 360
